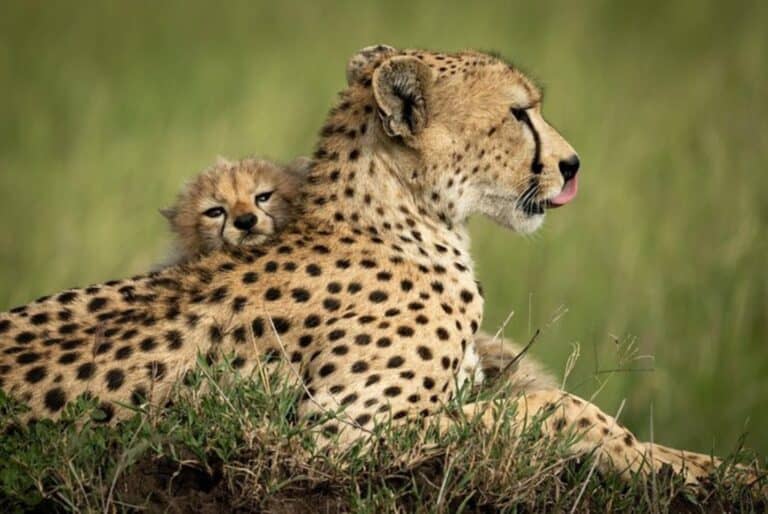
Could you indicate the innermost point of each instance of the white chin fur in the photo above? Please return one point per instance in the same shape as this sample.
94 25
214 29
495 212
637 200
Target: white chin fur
527 224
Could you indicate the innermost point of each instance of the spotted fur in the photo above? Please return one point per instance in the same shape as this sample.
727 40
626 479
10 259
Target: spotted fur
370 294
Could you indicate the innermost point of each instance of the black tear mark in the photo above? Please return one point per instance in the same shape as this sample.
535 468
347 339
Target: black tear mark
522 116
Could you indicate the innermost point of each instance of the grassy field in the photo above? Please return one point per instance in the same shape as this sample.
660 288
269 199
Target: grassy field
106 107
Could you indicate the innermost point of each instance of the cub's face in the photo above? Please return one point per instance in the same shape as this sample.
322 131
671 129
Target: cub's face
233 203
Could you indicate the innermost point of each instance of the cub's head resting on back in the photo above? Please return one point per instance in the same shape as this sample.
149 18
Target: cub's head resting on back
233 203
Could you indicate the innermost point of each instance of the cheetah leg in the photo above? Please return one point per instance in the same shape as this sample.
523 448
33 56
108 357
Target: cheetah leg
597 433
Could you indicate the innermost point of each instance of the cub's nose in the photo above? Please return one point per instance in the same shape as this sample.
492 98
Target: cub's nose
245 221
569 167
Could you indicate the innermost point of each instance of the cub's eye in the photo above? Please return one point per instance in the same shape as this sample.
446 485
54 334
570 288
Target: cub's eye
263 197
519 114
214 212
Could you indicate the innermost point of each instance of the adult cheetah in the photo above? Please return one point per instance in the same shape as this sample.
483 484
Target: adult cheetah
370 294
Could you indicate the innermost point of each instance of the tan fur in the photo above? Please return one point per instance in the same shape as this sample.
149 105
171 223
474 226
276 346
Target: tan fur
369 294
232 186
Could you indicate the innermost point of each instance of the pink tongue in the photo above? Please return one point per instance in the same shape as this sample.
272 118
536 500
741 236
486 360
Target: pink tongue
567 194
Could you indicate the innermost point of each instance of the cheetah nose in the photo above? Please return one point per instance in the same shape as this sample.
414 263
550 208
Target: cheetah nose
569 167
245 221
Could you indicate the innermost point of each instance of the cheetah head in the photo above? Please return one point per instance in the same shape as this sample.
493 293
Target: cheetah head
233 203
475 124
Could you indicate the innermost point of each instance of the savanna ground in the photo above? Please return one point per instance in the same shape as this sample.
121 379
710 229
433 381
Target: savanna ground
106 108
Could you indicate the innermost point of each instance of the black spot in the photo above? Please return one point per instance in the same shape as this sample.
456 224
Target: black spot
66 298
282 325
392 391
343 263
404 331
155 370
313 270
437 287
368 263
239 334
373 379
354 154
55 399
68 328
378 296
415 306
70 357
115 378
305 340
395 362
442 334
258 327
174 338
272 294
333 287
424 352
354 287
215 334
35 374
362 339
218 294
27 358
238 304
97 304
37 319
5 325
300 295
270 267
85 371
336 335
250 277
312 321
27 337
331 304
466 296
383 342
327 369
429 383
138 395
148 344
103 347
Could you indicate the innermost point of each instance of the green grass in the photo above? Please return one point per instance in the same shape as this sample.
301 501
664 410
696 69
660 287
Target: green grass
107 107
225 446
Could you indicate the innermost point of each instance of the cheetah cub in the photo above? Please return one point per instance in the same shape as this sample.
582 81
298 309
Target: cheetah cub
233 203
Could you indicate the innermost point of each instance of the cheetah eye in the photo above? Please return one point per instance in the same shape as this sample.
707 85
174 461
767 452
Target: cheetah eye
214 212
263 197
519 114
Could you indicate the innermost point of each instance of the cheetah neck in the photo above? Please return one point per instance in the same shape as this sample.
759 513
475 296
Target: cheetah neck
357 182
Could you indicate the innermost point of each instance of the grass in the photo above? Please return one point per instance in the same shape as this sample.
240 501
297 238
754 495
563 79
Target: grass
107 107
235 446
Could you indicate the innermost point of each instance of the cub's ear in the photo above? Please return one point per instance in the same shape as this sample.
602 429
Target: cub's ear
365 58
300 166
400 86
169 213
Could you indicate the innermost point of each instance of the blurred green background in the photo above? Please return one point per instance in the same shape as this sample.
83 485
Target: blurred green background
106 107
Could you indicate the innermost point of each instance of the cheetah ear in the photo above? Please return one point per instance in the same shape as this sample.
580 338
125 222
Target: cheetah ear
400 85
299 167
361 62
169 213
